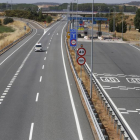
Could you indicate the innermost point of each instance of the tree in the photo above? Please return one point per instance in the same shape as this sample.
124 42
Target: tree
129 27
0 22
137 20
111 25
119 27
49 19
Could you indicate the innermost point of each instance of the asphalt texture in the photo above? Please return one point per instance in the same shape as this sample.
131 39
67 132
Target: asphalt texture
35 102
117 67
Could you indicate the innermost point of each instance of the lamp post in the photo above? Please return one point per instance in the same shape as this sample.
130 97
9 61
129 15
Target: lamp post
91 54
109 20
122 21
114 20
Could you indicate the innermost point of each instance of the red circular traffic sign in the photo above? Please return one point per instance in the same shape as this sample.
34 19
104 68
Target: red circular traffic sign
81 51
81 60
73 42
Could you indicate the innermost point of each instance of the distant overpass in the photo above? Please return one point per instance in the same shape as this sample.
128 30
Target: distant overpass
81 13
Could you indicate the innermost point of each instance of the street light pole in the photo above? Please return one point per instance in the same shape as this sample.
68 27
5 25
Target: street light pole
122 21
109 20
114 20
91 54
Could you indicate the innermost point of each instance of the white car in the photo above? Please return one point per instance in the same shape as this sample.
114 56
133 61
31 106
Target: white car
38 47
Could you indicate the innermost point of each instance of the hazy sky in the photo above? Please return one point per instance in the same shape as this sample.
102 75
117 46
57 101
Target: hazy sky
63 1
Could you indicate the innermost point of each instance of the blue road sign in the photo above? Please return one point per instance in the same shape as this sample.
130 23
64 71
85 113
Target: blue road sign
73 38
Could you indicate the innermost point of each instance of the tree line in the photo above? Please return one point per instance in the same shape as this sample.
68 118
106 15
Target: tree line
101 7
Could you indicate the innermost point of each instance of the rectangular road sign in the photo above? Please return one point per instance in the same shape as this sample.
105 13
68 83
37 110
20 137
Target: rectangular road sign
68 35
73 38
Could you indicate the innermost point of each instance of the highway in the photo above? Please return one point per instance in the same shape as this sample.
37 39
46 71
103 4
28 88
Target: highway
39 99
117 67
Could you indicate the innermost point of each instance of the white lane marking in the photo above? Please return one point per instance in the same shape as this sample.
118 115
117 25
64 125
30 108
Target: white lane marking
18 48
49 43
109 79
2 97
70 92
47 47
138 109
37 97
4 94
132 111
46 52
43 67
124 113
0 102
50 40
57 33
31 131
40 79
121 108
45 58
115 107
9 86
48 33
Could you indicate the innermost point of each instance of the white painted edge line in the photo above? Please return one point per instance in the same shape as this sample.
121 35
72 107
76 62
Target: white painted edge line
70 92
128 127
31 131
45 58
40 79
37 97
18 47
43 67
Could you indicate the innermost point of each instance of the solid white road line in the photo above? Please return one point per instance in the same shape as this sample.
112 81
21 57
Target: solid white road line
45 58
37 97
40 79
43 67
31 131
70 92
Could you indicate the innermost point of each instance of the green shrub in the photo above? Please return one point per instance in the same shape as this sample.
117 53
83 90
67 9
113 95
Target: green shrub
0 23
8 20
49 19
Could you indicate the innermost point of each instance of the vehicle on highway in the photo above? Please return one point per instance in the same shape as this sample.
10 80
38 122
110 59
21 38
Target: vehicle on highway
38 47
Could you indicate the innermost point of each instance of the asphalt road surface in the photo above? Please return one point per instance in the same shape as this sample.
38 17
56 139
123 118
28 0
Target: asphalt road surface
39 99
117 67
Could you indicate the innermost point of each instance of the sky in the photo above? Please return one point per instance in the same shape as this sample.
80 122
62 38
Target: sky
66 1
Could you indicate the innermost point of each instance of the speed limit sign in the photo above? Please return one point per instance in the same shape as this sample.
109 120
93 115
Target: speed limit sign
81 60
81 51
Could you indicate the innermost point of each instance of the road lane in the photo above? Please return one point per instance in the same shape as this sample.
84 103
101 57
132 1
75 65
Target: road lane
51 117
116 66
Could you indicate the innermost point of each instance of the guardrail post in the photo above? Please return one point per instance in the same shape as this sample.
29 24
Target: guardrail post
116 121
121 134
118 127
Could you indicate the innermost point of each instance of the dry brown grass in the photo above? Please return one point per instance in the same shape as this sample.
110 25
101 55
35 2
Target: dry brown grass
8 38
2 13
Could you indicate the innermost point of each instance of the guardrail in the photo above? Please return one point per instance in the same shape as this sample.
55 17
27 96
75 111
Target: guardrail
111 109
101 132
14 43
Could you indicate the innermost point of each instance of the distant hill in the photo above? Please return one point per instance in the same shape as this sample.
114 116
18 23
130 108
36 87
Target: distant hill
46 3
137 3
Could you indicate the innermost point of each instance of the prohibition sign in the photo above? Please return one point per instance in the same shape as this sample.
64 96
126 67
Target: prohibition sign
81 51
81 60
73 42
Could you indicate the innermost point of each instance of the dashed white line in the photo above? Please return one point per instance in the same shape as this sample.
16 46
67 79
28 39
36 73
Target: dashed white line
46 52
132 111
121 108
49 43
37 97
4 94
124 113
40 79
138 109
43 67
2 97
45 58
47 47
31 131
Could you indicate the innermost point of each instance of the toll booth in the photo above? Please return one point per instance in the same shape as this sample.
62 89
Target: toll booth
95 21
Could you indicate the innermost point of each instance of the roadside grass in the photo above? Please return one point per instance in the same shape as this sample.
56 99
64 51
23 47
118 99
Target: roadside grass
8 38
4 29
